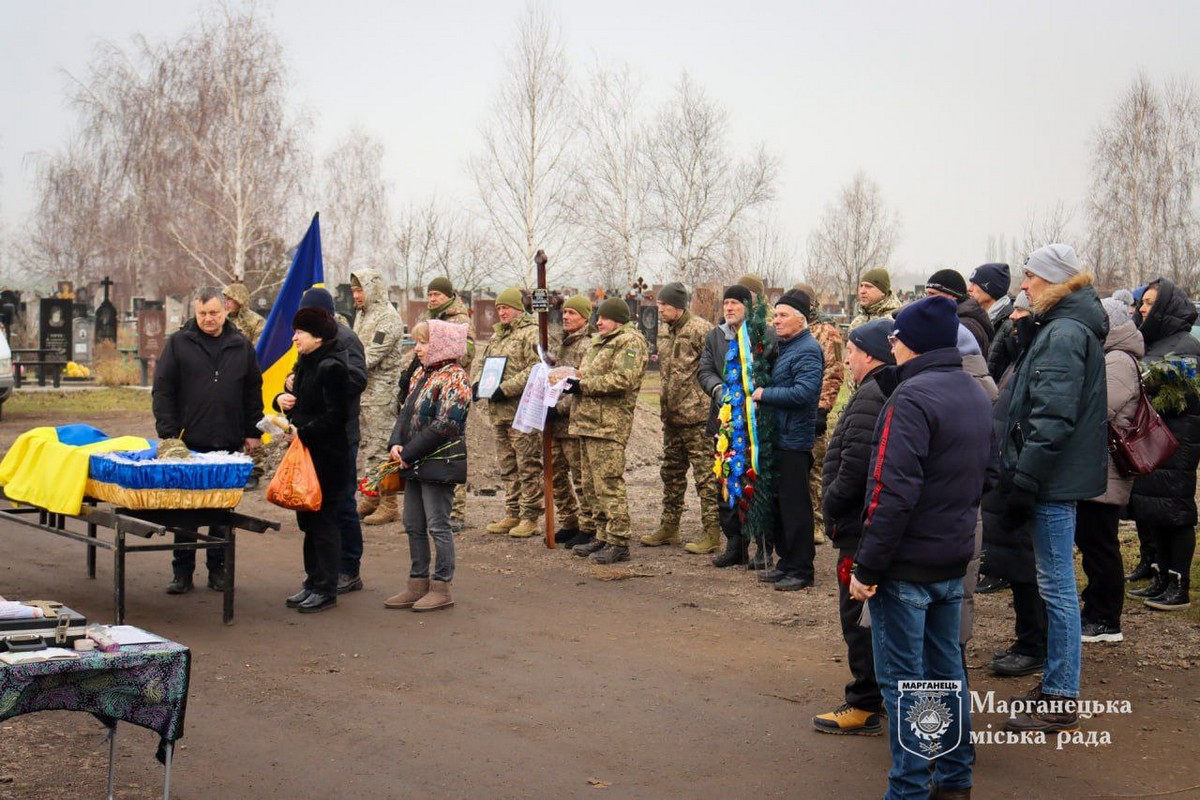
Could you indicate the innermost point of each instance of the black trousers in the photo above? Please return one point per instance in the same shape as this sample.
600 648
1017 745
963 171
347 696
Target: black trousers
183 562
862 691
794 538
1096 537
322 543
1174 546
1030 611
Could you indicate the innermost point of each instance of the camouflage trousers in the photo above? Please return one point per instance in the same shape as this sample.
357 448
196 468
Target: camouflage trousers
820 445
458 509
376 423
569 502
604 488
684 446
520 457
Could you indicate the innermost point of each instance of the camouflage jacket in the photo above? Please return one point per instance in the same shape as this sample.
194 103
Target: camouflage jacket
456 311
683 401
570 353
248 323
609 381
381 331
830 338
518 341
883 307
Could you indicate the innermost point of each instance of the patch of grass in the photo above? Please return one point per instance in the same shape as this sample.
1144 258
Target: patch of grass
650 393
76 402
1130 553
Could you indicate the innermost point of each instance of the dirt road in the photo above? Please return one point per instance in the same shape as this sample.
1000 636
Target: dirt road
546 681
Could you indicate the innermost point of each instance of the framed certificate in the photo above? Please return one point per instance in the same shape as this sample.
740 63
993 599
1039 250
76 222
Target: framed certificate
492 375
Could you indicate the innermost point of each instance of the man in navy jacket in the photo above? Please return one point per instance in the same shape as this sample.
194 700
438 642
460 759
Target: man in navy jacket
933 445
793 394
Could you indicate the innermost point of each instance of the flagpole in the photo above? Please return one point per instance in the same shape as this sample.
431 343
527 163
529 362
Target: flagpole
547 430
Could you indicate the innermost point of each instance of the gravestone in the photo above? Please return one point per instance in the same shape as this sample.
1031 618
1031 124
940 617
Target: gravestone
81 347
152 329
106 317
343 300
54 328
485 318
647 323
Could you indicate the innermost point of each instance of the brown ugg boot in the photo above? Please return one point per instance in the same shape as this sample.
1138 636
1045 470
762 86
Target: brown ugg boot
417 588
367 505
387 511
438 597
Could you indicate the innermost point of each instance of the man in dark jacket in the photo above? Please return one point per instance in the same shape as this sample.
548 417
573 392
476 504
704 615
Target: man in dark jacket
735 304
844 483
1055 454
931 450
349 523
988 286
207 391
794 393
950 283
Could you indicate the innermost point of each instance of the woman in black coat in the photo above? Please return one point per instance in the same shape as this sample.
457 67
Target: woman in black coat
1164 502
318 407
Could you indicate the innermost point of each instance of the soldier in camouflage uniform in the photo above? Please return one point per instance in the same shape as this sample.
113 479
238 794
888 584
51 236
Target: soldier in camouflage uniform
444 303
237 305
380 329
570 503
683 406
829 337
875 297
608 385
520 454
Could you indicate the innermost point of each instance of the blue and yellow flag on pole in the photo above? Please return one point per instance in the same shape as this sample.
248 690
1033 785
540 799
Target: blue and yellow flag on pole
276 353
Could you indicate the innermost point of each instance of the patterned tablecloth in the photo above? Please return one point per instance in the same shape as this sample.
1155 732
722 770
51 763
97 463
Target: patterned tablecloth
146 685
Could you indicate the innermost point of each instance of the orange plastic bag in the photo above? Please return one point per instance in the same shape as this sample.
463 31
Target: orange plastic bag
295 483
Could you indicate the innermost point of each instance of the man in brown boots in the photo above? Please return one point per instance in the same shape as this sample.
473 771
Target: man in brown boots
683 406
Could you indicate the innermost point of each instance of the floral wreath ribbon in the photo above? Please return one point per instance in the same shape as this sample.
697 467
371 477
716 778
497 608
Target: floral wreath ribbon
736 462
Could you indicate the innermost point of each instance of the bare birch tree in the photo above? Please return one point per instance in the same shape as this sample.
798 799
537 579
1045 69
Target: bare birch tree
760 246
355 200
1047 226
612 195
857 232
1145 167
525 174
700 191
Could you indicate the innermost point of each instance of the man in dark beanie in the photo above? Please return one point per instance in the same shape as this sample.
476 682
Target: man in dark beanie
735 305
950 283
683 407
793 396
602 417
844 485
348 521
988 286
931 450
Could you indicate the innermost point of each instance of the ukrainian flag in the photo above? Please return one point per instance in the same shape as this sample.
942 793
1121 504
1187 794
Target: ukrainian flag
276 353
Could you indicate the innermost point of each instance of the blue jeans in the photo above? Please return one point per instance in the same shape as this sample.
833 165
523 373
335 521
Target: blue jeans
349 525
914 633
427 516
1054 554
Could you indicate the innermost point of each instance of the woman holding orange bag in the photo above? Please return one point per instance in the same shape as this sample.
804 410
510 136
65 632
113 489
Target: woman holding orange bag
318 406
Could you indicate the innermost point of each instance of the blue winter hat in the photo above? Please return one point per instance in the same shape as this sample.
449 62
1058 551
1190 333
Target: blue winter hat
317 297
872 338
929 324
967 344
994 279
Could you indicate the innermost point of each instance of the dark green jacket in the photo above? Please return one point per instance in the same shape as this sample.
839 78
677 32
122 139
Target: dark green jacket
1055 435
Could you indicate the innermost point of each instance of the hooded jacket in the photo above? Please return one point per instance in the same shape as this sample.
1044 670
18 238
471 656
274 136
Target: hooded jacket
1056 433
380 329
210 389
1122 349
931 452
847 463
1167 496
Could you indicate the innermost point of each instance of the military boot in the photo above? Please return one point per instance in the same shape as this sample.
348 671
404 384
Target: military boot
587 548
611 554
367 505
388 510
735 552
503 526
709 542
666 534
524 529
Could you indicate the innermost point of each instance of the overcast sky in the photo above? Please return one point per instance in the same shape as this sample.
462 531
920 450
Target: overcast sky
970 116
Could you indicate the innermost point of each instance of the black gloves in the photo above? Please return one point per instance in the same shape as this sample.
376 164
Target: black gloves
572 386
822 421
1019 509
498 394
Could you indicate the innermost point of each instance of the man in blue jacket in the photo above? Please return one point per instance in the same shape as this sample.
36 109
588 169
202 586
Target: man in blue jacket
794 393
931 450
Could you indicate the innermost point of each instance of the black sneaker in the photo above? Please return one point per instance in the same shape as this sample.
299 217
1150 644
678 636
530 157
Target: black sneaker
1101 632
180 584
317 602
216 581
349 583
991 584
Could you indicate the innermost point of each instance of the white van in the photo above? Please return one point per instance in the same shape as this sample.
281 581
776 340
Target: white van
6 370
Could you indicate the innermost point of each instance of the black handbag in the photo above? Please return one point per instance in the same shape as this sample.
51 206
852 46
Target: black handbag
1146 444
447 464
